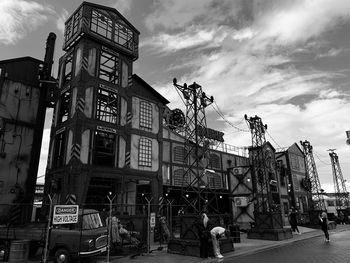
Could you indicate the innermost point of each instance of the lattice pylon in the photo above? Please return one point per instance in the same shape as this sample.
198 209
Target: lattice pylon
341 194
197 150
261 190
312 176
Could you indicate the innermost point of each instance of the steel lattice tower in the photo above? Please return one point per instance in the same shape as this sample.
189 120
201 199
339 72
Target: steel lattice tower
259 170
312 176
341 194
197 149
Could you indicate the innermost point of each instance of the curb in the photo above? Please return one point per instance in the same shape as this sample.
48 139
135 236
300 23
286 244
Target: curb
269 247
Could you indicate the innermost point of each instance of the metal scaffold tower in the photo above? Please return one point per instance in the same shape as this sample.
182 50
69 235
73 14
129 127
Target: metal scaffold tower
266 197
341 194
195 186
312 177
263 199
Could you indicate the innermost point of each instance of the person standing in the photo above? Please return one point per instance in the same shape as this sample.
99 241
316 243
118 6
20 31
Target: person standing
203 227
217 233
293 221
324 225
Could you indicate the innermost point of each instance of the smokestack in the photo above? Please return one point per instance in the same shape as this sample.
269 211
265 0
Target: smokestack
48 60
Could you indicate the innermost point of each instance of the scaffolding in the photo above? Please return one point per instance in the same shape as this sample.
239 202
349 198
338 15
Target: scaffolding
199 193
312 177
341 194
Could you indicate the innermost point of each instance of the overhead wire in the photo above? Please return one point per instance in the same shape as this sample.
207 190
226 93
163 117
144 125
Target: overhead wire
218 111
321 160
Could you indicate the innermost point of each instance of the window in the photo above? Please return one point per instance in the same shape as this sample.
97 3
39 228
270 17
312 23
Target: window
101 24
145 115
67 76
295 162
295 183
107 106
109 67
214 161
59 149
123 36
72 25
330 203
214 181
145 152
104 150
64 107
179 154
181 178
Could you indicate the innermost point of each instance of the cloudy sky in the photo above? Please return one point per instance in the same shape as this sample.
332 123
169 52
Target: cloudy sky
286 61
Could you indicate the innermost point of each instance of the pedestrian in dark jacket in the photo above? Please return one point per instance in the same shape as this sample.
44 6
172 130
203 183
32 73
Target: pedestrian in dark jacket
204 226
324 225
293 221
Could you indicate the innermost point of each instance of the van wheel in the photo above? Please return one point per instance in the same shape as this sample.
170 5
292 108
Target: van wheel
62 256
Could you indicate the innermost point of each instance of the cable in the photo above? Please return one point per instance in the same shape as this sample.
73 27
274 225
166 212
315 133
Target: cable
321 160
227 121
279 146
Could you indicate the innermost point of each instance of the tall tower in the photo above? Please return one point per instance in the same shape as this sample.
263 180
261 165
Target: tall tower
107 122
266 196
312 177
341 194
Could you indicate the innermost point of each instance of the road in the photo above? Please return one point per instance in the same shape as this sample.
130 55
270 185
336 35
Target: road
313 250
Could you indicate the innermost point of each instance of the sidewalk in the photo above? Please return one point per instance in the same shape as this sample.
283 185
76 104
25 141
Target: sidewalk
246 247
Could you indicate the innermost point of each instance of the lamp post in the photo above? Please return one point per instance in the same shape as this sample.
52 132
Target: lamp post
148 222
110 199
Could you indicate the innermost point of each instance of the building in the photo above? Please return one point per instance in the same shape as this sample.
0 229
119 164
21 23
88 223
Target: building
23 104
106 135
295 191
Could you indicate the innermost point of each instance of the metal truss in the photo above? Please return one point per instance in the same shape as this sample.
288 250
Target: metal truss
197 192
341 194
261 189
312 177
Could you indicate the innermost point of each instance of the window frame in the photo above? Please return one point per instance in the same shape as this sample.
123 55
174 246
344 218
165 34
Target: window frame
106 27
145 152
96 160
146 116
112 75
107 111
64 107
59 150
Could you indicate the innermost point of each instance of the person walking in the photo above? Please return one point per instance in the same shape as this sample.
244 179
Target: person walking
324 225
293 220
217 233
203 226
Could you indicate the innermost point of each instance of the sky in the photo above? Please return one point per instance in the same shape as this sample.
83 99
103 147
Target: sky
285 61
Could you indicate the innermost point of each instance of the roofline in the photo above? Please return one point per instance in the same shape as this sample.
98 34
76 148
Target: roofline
106 8
165 101
21 59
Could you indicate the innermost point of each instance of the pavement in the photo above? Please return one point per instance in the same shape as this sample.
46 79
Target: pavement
245 247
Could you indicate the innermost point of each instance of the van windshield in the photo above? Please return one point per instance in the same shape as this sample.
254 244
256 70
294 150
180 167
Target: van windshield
92 221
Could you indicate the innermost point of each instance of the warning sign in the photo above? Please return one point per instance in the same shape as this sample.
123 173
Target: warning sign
65 214
153 220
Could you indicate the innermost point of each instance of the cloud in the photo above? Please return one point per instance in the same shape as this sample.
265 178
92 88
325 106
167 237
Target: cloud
18 17
61 20
122 5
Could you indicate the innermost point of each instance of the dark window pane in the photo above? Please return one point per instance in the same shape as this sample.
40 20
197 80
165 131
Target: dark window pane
64 107
104 150
59 149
